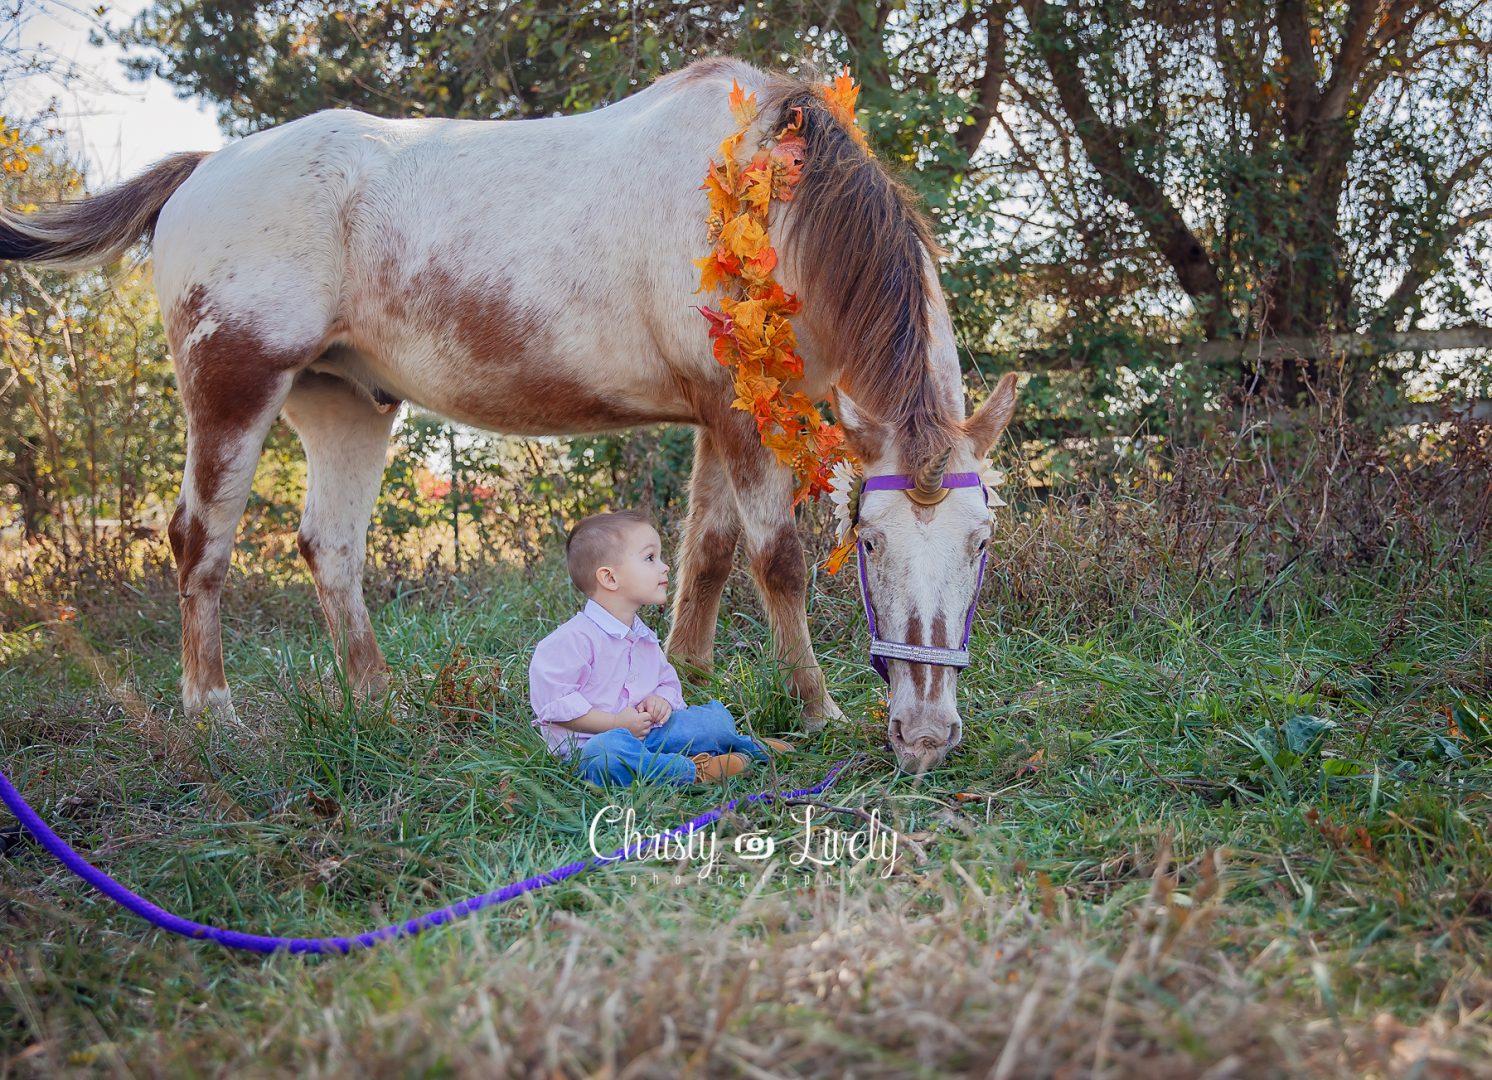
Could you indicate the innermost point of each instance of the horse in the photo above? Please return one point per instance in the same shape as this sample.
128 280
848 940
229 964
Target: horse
536 277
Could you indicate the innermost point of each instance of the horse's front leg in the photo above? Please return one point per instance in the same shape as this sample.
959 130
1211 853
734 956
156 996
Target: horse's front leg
710 536
763 491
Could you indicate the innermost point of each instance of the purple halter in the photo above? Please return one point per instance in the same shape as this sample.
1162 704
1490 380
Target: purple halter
917 654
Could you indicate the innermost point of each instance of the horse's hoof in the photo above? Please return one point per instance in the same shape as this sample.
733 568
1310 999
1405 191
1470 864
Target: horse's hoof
214 705
372 686
816 719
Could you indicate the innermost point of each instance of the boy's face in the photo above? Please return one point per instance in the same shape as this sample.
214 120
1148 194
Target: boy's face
640 574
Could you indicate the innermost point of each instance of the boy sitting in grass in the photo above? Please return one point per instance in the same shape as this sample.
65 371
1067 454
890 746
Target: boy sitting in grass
602 691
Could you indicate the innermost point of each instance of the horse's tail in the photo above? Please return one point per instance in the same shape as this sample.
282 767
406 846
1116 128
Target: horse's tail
88 232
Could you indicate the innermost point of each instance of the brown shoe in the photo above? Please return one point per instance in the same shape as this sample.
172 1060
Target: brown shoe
778 745
718 766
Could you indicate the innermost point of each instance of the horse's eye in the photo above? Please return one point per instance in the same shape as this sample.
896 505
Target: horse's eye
869 547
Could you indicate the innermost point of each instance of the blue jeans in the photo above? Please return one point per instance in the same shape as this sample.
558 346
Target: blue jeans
619 757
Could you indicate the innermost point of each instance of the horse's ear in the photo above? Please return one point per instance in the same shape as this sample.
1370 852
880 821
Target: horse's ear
868 437
990 420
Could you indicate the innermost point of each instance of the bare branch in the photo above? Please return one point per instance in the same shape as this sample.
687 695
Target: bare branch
1122 177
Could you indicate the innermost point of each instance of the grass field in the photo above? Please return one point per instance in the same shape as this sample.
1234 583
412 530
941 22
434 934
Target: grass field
1193 829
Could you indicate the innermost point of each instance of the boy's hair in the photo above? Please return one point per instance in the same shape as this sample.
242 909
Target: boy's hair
593 542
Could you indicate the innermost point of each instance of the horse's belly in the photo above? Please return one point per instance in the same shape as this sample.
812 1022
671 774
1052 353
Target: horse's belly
527 310
528 398
521 380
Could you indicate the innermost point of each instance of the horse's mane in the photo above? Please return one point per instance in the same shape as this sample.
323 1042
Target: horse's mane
856 241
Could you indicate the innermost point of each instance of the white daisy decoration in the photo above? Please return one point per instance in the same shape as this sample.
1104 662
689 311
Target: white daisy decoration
844 479
993 478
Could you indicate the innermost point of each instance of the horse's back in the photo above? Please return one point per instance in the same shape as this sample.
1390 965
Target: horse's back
468 262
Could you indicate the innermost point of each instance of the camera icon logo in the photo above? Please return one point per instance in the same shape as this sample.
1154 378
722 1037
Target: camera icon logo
755 846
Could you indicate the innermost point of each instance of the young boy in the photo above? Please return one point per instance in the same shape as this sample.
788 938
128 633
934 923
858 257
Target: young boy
603 694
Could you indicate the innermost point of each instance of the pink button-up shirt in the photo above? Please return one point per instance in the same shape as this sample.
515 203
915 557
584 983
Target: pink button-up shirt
595 662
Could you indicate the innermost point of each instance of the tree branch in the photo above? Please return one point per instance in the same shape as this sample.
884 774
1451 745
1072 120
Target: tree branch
1105 148
1301 92
1352 58
1397 30
991 82
1476 45
1425 263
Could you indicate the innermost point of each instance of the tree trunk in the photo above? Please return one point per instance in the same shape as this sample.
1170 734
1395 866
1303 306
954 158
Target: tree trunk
1310 291
31 494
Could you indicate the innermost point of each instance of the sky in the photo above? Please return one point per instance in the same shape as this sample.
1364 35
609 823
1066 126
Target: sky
120 126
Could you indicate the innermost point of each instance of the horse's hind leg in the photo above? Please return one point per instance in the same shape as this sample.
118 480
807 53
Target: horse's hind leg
346 440
231 395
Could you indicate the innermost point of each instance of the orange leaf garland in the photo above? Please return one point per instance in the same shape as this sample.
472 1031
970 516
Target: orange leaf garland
743 108
744 235
838 556
840 96
753 333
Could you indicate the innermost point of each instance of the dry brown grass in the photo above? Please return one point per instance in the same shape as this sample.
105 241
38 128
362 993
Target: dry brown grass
947 975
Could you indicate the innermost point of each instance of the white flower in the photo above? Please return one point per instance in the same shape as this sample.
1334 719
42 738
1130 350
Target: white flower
843 478
992 478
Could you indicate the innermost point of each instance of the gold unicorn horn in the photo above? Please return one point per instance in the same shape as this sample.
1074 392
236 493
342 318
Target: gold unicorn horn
930 490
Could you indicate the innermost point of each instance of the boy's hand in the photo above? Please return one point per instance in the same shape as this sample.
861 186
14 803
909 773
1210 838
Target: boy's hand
635 721
656 707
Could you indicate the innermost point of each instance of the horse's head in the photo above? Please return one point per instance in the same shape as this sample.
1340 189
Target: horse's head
922 552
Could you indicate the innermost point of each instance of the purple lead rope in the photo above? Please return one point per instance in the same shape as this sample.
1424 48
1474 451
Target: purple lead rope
262 943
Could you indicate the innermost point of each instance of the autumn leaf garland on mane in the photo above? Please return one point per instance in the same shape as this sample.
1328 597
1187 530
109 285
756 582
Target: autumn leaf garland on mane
753 332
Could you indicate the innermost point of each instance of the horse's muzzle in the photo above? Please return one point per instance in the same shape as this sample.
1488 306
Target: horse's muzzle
923 748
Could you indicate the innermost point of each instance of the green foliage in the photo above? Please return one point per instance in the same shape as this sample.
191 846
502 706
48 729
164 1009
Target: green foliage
1057 212
648 468
523 492
90 429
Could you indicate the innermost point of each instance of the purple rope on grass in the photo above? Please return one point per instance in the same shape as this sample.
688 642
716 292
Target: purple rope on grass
235 939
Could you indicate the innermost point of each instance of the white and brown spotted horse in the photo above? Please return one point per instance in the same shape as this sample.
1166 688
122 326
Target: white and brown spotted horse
534 277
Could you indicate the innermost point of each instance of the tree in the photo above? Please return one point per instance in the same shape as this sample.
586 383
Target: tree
89 429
